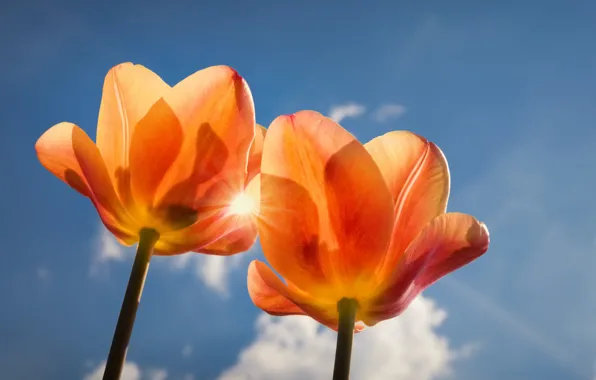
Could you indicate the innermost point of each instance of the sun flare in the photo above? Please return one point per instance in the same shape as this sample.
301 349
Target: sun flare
243 204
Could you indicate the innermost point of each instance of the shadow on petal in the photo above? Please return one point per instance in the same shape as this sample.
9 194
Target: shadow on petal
185 201
289 228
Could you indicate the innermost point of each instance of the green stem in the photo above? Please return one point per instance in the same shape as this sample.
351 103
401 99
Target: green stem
128 311
345 334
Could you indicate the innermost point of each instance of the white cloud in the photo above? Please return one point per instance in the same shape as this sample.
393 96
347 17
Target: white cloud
294 348
156 374
214 271
340 112
388 111
187 350
106 249
382 114
131 371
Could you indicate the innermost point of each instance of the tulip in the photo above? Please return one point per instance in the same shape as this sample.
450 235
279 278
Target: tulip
172 169
356 231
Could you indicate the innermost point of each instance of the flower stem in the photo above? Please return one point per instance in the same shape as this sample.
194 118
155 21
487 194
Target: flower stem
128 311
345 334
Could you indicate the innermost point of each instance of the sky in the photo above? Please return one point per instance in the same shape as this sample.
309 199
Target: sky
506 89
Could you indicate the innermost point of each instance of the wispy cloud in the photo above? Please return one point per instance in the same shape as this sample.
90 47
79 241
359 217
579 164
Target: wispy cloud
342 111
106 249
214 271
388 111
156 374
381 114
515 324
131 371
536 196
297 348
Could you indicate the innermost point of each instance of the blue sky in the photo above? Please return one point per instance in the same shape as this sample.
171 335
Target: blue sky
507 90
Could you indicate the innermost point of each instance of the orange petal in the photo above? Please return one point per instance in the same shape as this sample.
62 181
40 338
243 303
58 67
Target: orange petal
256 151
156 142
326 213
449 242
129 91
236 231
271 295
67 152
288 227
216 111
417 175
235 241
242 228
55 152
461 239
268 292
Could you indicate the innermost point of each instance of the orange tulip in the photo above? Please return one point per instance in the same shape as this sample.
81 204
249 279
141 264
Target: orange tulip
171 159
173 168
341 220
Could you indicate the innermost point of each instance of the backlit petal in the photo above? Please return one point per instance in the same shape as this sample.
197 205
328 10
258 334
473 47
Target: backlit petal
326 213
452 240
417 175
237 240
212 224
55 152
216 111
449 242
270 294
256 151
67 152
129 91
242 228
156 142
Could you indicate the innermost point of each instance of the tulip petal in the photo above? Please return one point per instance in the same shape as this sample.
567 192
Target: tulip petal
129 91
255 153
212 224
288 227
461 239
417 175
55 152
270 294
448 243
326 213
156 142
216 111
67 152
242 228
239 239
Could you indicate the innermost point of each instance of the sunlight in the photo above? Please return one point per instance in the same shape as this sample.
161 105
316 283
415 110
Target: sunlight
243 204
